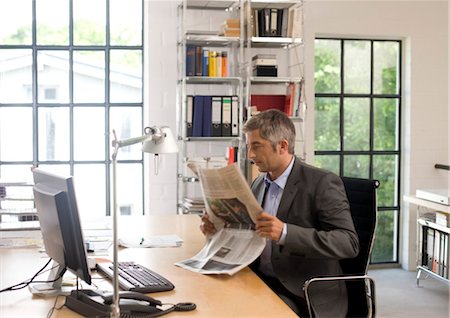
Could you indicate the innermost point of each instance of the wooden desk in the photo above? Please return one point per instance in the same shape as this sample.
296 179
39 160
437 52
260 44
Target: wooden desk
241 295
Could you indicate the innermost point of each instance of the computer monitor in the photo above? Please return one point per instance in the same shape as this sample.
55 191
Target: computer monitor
57 210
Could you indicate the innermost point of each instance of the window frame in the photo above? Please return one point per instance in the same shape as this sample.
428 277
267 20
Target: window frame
106 48
341 153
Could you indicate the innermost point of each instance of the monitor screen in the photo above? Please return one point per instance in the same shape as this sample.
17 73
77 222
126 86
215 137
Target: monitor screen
57 210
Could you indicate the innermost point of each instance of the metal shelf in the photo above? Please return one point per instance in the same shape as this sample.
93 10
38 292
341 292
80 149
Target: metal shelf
212 80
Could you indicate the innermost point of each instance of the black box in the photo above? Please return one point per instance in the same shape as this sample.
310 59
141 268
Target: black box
265 70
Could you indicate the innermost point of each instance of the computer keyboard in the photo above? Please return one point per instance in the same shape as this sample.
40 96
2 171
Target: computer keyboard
135 277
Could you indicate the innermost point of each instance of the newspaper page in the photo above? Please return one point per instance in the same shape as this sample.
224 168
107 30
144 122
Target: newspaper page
232 207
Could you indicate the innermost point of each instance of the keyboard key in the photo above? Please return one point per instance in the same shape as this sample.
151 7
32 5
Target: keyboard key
135 277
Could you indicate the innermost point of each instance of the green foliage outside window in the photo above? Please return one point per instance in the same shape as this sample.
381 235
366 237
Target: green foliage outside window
370 123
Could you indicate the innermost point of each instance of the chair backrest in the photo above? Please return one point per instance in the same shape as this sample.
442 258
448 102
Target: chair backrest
361 194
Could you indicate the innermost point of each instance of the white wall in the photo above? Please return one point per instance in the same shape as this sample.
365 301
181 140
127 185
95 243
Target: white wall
423 27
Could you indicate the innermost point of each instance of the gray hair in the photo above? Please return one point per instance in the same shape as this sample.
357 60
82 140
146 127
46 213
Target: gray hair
273 125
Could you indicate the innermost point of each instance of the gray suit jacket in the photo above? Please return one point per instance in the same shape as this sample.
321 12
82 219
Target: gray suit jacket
320 232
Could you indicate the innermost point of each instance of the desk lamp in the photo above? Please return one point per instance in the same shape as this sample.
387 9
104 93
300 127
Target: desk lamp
155 140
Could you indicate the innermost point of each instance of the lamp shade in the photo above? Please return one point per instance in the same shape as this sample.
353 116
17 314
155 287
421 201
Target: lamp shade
164 144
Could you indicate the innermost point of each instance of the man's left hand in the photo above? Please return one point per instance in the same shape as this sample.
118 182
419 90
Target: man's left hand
269 226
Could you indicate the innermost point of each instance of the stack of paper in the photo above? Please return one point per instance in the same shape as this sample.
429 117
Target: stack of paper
170 240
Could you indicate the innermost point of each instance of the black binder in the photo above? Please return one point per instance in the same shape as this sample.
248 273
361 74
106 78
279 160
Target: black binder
226 116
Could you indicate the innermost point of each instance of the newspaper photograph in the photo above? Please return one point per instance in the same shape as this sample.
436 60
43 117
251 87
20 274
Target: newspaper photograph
232 207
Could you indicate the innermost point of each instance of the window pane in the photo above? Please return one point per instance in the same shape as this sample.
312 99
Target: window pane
385 169
356 67
327 66
126 76
356 166
20 147
326 125
53 76
330 163
129 189
90 190
89 76
386 68
356 124
384 249
60 169
15 22
89 22
16 173
386 130
126 29
89 133
53 133
15 76
127 122
52 22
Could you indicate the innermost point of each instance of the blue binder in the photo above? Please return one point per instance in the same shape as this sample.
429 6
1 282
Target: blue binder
207 116
197 120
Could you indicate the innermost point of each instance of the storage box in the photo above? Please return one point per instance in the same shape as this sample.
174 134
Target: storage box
265 70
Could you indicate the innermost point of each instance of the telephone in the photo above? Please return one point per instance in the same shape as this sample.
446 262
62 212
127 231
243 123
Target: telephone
91 303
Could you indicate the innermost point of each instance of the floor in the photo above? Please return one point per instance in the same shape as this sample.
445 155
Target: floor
397 295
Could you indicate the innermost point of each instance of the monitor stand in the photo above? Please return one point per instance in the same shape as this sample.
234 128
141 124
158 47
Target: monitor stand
54 287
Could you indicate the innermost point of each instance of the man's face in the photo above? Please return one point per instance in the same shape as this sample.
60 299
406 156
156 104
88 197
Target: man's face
260 151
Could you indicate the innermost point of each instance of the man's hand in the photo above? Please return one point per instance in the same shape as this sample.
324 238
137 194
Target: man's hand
207 227
269 226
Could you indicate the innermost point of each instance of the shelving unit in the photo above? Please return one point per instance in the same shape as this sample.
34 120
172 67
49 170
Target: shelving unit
16 203
198 24
433 250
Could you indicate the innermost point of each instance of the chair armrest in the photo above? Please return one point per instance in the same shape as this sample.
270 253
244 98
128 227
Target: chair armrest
370 289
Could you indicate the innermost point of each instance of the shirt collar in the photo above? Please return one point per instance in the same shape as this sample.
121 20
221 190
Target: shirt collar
281 180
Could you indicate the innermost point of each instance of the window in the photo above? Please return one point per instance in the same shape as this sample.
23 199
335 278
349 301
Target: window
357 123
71 71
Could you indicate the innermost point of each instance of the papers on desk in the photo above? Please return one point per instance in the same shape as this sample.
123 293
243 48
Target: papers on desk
170 240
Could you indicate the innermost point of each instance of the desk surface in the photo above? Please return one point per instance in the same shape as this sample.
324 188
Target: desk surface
241 295
428 204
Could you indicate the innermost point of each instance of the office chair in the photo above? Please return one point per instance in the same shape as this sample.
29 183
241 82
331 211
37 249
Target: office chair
361 194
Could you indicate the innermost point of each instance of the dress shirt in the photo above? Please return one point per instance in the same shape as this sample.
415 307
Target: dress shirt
272 198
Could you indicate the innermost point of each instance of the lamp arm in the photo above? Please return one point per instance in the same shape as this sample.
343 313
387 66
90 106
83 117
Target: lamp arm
131 141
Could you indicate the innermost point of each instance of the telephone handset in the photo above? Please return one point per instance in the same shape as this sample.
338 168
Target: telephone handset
91 303
108 298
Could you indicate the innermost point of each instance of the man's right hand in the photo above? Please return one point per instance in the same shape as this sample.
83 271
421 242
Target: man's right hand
206 226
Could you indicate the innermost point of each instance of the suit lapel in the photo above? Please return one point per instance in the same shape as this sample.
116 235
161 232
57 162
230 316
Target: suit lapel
290 191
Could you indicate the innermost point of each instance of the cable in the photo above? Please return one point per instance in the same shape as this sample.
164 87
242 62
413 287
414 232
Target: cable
50 312
31 280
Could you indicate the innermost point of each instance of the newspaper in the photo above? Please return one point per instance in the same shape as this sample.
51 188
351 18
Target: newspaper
232 207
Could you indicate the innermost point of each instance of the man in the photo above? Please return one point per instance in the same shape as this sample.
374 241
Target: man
306 218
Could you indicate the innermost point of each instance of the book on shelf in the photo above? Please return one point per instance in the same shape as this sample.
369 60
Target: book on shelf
216 116
264 60
202 61
212 116
197 113
190 60
198 61
207 116
189 114
434 250
226 116
234 115
276 22
265 70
